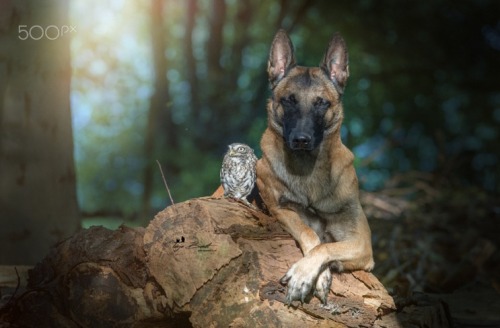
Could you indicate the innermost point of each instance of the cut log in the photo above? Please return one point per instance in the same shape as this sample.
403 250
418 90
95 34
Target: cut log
207 262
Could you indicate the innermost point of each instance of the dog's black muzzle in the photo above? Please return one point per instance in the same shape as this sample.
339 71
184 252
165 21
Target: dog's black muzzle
301 141
302 127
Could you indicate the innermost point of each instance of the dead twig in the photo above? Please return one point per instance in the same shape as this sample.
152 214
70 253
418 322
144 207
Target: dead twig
165 182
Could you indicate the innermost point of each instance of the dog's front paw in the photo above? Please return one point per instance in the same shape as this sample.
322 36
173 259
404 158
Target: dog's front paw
323 284
301 280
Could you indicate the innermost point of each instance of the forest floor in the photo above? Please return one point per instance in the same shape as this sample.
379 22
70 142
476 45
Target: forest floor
441 241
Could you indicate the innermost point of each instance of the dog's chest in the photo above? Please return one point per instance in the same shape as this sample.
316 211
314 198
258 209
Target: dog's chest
314 190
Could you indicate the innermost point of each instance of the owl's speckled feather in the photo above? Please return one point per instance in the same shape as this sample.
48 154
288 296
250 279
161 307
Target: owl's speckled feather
237 174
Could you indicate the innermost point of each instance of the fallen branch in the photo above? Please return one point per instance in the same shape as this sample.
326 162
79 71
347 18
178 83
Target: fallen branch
204 262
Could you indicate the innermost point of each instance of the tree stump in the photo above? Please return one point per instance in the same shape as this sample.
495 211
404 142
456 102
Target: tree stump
207 262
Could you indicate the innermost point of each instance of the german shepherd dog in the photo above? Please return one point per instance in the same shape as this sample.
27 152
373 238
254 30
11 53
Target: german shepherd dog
306 175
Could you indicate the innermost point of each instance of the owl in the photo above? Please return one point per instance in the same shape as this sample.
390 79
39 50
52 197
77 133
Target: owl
237 174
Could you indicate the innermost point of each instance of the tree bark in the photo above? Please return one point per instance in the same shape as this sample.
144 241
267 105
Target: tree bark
207 262
38 204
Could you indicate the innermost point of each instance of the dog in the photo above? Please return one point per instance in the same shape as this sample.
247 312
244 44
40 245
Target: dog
306 175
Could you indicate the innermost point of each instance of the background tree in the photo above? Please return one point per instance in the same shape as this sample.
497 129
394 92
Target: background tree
158 106
38 205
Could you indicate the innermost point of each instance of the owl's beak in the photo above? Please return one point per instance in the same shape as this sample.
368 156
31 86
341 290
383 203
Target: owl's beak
231 152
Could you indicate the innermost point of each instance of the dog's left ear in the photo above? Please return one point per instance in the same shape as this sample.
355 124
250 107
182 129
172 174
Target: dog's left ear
336 61
281 57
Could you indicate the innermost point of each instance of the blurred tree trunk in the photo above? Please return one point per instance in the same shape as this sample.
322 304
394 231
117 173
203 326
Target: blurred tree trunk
241 39
191 10
159 114
216 37
301 13
38 204
215 98
284 7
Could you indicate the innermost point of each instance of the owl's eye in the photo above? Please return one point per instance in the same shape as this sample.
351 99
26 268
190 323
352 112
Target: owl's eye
241 149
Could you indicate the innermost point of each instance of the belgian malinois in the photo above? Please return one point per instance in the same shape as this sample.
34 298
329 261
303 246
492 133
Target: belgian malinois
306 175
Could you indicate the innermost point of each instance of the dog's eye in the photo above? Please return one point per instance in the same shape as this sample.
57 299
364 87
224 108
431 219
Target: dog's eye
290 100
321 103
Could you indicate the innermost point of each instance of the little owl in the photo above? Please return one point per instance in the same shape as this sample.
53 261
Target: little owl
237 174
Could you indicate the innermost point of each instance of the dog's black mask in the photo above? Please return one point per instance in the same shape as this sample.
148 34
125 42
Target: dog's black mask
303 124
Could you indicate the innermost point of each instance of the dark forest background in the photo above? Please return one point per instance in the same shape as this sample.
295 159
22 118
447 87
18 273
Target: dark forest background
423 93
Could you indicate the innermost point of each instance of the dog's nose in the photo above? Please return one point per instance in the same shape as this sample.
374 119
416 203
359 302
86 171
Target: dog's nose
301 141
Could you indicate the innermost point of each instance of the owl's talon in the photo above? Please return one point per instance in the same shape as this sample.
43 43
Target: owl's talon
247 203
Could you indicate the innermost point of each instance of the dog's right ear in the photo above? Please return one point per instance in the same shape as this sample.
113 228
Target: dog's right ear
281 57
336 62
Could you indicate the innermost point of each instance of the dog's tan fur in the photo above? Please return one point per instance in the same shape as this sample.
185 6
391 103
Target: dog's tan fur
314 194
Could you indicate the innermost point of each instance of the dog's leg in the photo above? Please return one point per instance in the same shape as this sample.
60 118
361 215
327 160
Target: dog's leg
323 284
311 274
308 240
301 232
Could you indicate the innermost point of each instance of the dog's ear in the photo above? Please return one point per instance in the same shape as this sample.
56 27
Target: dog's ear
281 57
336 61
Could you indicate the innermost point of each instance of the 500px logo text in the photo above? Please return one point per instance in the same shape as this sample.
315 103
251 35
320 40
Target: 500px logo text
37 32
